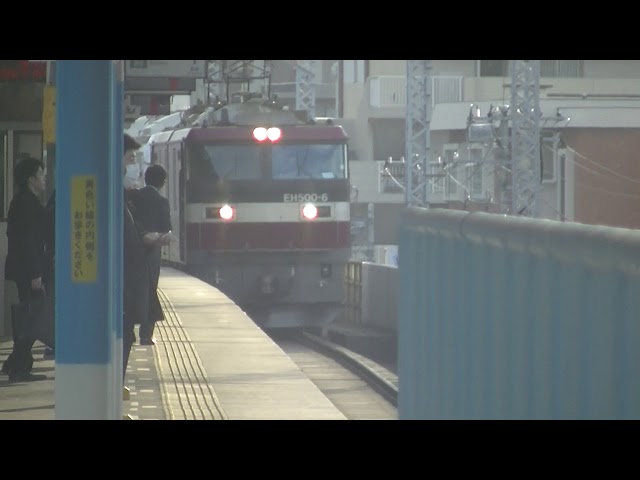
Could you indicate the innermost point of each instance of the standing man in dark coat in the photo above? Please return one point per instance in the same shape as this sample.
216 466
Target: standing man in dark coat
151 211
25 262
138 296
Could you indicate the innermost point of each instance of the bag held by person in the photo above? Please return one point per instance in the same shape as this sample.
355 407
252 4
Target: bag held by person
35 319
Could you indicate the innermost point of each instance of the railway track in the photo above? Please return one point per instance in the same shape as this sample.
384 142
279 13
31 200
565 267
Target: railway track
360 388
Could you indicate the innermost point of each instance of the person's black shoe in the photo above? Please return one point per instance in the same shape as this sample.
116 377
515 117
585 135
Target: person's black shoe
147 341
26 377
6 367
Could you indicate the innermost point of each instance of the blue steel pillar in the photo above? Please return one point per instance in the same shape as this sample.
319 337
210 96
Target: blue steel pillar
116 200
86 299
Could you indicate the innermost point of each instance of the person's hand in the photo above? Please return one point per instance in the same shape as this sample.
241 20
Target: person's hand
163 241
151 238
166 238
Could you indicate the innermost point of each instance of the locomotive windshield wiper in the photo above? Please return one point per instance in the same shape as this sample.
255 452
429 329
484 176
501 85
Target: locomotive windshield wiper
304 160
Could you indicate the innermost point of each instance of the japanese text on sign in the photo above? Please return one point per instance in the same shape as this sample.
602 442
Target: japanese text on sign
84 264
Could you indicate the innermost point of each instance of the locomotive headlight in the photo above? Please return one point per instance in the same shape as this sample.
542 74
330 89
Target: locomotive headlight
274 134
260 134
220 212
309 211
226 212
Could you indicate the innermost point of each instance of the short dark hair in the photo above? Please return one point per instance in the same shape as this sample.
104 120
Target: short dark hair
155 175
25 168
130 143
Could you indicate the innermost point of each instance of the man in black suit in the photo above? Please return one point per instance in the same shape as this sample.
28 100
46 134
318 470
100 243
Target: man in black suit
151 211
139 296
25 261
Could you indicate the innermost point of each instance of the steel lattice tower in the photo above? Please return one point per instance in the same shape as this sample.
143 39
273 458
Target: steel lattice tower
305 86
215 79
524 113
417 133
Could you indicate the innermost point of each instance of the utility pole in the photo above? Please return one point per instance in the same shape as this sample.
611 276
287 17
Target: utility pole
224 78
518 170
215 81
306 86
525 137
417 133
502 174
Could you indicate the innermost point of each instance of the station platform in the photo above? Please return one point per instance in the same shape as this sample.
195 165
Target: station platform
211 362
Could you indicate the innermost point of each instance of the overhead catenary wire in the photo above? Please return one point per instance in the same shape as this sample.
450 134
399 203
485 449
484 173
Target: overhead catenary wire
484 164
604 167
600 174
592 187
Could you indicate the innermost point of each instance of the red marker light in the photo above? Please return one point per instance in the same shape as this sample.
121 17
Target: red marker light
309 211
226 212
260 134
274 134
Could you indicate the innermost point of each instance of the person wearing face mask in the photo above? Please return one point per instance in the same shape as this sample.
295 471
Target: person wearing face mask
138 293
25 262
132 176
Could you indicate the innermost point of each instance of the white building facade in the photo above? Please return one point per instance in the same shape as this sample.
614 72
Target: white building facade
590 136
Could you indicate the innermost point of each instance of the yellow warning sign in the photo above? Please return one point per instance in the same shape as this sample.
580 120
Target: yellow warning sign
49 115
84 225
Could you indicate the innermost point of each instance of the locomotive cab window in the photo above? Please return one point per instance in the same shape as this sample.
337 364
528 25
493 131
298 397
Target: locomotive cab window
208 165
225 162
308 161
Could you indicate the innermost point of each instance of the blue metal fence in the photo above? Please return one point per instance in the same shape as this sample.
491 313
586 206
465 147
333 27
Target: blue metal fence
516 318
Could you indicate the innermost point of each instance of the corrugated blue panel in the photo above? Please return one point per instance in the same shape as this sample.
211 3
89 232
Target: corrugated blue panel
512 318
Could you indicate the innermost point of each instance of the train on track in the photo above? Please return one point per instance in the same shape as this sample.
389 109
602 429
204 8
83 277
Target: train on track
260 206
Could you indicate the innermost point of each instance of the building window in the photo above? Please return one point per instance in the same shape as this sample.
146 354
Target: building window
436 182
560 68
450 159
549 154
548 68
494 68
473 172
464 171
353 71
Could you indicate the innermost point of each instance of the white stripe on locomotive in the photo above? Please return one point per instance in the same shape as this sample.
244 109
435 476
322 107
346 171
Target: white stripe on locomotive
268 212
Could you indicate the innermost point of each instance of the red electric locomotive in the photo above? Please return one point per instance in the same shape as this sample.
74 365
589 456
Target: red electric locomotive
260 207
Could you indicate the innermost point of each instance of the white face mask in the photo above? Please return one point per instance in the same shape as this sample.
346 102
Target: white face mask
132 177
